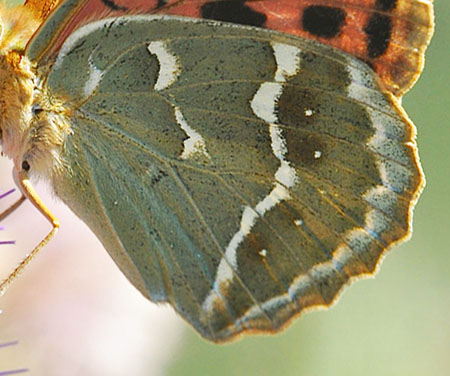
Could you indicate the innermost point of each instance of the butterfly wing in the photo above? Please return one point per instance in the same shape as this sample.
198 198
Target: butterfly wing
391 36
41 8
240 175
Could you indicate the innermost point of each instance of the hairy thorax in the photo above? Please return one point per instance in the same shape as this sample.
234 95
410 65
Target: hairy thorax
33 125
16 98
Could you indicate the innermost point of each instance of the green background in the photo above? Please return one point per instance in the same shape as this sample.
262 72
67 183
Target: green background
395 324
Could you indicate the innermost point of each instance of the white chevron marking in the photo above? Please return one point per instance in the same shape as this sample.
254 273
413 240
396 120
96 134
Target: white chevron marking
194 144
382 200
264 105
169 67
95 77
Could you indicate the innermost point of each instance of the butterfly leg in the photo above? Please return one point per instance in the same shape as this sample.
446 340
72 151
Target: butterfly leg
21 179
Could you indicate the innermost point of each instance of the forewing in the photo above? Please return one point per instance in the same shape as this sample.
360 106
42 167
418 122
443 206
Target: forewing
69 16
42 8
241 175
391 36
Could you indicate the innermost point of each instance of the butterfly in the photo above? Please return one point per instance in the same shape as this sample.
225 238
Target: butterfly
233 162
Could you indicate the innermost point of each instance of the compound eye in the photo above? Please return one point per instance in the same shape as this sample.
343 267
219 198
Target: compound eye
26 166
36 109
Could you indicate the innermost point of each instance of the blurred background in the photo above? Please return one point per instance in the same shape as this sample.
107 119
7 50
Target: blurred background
74 313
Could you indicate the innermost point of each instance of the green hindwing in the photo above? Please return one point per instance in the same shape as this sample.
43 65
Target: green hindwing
239 174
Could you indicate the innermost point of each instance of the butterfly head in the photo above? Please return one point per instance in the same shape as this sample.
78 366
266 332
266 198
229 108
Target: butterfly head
16 92
32 129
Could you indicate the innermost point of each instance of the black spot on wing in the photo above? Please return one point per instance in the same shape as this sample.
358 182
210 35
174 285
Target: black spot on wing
233 11
158 176
323 21
386 5
161 3
113 6
378 31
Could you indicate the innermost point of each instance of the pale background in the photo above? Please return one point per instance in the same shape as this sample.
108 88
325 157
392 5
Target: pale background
75 314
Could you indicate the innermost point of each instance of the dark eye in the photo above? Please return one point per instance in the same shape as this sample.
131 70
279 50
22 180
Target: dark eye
25 166
36 109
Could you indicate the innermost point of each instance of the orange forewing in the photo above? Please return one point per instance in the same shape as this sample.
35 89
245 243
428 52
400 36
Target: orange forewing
398 66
